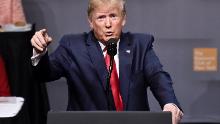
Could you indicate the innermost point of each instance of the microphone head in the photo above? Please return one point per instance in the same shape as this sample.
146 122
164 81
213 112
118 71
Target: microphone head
112 47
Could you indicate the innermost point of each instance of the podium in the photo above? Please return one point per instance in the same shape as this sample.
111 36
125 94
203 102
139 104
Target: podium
108 117
10 106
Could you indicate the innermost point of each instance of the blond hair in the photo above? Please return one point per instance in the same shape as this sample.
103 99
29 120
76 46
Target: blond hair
95 3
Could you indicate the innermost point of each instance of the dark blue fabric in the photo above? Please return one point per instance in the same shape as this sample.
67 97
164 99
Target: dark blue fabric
79 59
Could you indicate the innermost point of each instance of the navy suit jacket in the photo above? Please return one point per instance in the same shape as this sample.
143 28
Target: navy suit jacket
80 60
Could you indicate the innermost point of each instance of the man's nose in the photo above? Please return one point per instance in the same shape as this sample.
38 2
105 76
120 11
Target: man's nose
108 23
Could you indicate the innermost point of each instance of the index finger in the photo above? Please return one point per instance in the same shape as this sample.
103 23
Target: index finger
39 35
43 32
47 38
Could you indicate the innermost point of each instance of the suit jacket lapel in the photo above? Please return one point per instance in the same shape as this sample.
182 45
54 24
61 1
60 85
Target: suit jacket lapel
125 62
97 58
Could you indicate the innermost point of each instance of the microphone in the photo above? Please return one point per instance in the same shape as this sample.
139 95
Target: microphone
112 47
111 51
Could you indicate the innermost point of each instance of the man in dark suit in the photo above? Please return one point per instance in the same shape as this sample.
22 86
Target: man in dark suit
80 58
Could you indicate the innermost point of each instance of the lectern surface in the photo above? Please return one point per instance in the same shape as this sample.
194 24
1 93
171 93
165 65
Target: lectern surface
108 117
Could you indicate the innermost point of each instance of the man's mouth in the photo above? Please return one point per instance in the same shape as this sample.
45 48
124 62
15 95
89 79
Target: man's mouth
109 33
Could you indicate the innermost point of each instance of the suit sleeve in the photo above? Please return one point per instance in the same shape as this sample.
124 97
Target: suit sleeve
51 67
159 80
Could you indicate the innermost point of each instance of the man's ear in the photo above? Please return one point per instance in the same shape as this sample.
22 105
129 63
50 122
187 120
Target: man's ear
90 23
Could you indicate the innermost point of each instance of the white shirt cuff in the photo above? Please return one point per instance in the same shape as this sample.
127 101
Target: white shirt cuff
37 56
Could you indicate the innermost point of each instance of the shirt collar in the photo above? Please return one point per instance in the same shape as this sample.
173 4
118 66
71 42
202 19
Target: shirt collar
103 46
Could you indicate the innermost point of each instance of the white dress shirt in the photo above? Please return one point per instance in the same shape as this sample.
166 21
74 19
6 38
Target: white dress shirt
116 57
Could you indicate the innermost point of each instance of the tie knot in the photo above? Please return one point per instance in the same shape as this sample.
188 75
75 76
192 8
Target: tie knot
105 49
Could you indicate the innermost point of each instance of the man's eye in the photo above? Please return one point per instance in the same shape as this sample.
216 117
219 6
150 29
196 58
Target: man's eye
101 17
113 16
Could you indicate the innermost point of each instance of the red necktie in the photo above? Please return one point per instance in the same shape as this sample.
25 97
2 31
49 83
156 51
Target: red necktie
114 82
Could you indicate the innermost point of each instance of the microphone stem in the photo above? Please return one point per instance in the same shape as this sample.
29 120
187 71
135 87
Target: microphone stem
110 107
111 65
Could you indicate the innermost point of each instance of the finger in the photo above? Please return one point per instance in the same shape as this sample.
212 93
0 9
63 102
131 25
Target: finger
38 42
48 39
174 118
174 114
43 31
41 38
178 116
38 48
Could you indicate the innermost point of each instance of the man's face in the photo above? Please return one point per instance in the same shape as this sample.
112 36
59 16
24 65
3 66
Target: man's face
107 22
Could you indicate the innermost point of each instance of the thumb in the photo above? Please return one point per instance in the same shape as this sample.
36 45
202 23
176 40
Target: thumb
48 39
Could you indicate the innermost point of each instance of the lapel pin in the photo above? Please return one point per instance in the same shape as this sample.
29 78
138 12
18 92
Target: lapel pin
128 51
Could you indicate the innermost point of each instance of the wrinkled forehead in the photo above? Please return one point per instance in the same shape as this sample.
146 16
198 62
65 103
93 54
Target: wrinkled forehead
107 9
107 6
